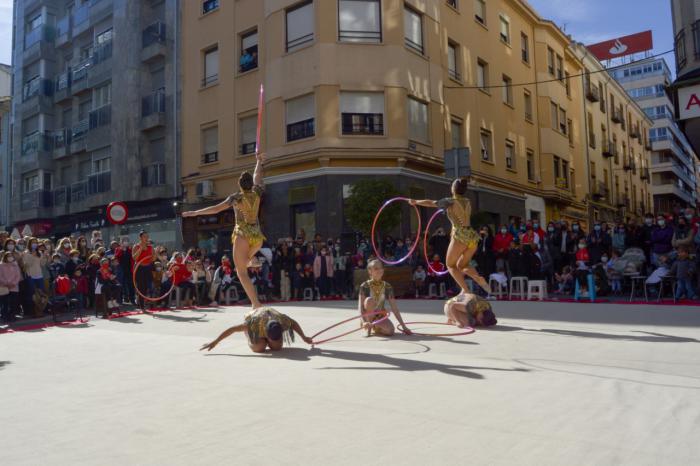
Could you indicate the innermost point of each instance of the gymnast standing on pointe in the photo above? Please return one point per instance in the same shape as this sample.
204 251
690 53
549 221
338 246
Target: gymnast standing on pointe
247 238
464 239
374 293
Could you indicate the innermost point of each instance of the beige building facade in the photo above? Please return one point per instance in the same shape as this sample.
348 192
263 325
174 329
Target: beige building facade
386 89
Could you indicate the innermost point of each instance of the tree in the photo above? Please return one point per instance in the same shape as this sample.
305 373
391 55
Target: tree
366 198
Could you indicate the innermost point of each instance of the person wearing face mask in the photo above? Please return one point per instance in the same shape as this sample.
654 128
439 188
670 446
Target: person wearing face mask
10 276
64 249
501 243
537 228
323 271
620 240
83 248
661 239
550 244
529 237
32 263
340 270
682 234
598 243
565 246
73 263
484 255
582 264
56 268
126 265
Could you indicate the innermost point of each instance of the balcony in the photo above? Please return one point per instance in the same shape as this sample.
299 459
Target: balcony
592 93
63 31
635 133
100 10
153 110
101 116
617 116
62 87
101 67
61 196
153 44
81 19
79 73
36 151
100 128
561 183
647 145
609 149
600 190
623 202
78 192
36 200
673 189
38 43
36 97
644 175
61 143
78 133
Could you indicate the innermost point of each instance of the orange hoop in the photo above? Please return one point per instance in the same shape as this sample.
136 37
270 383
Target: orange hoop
136 288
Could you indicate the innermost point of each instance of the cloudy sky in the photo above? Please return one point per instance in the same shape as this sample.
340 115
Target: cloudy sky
589 21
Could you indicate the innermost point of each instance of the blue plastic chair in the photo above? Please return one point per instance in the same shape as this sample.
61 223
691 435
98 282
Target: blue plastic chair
591 289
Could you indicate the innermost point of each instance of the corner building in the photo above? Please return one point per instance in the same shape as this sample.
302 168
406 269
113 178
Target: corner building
379 88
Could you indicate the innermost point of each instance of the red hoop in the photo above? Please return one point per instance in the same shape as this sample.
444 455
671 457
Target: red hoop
425 245
367 314
374 224
467 331
136 288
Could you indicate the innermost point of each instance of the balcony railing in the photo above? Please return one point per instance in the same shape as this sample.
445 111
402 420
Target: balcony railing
61 138
592 93
101 117
363 123
644 175
35 142
155 33
247 148
609 149
78 191
99 183
635 133
36 199
43 32
617 116
623 201
154 103
63 26
80 129
359 36
600 190
61 196
561 183
80 70
300 130
63 81
210 157
102 52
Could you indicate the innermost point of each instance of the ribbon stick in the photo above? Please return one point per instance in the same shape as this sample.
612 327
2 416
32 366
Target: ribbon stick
261 102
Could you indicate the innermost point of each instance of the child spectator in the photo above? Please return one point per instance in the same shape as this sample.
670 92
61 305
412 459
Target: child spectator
582 269
564 280
297 279
419 277
658 274
226 274
108 286
56 268
683 269
614 276
182 277
80 286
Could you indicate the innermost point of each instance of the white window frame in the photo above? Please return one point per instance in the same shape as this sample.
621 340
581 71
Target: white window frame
504 35
303 37
210 63
246 136
480 11
409 20
414 104
482 74
372 33
507 90
486 144
509 154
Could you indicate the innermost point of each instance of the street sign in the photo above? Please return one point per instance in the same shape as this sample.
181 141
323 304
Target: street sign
689 102
457 163
117 213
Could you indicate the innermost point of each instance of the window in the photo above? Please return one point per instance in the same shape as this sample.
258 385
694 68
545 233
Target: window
557 170
30 183
696 39
247 128
560 68
555 116
510 155
485 140
452 3
524 47
565 172
300 26
417 120
300 117
104 37
211 66
562 121
35 22
601 93
102 96
413 29
680 50
456 134
101 165
480 11
505 29
567 77
550 60
570 131
530 165
528 105
362 112
153 175
210 144
249 51
209 5
507 90
359 21
591 134
482 74
452 63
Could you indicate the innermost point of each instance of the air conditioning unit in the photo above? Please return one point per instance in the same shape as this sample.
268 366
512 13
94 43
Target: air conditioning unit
205 189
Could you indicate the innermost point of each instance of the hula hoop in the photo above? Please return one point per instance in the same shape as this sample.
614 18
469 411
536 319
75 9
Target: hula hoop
425 245
466 331
379 321
136 288
374 224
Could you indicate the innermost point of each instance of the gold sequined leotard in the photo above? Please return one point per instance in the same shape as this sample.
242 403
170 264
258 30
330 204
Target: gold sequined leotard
474 304
258 319
380 291
246 206
459 210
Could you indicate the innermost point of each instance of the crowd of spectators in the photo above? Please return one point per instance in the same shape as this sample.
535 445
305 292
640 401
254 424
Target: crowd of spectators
35 272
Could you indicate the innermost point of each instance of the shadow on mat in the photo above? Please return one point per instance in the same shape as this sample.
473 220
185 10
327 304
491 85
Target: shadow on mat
394 364
126 320
650 337
180 319
4 363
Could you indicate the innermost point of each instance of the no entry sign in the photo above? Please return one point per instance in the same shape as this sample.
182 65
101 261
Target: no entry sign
117 213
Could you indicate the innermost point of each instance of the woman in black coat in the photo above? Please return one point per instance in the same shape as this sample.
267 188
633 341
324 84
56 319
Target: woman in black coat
484 256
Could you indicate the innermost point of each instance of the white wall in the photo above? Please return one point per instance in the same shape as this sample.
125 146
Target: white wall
5 82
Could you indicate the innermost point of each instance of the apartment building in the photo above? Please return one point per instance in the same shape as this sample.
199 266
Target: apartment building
673 160
5 107
686 88
385 88
95 116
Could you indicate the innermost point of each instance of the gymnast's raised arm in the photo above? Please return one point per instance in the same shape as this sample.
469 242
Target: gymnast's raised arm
258 173
213 210
423 203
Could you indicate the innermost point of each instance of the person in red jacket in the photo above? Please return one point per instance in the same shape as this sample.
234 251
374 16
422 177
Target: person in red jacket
537 228
582 264
501 242
81 290
182 277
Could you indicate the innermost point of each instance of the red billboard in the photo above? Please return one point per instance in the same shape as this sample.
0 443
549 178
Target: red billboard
622 46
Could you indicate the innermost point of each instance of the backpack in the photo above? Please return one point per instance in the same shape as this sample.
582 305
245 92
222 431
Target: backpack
63 285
